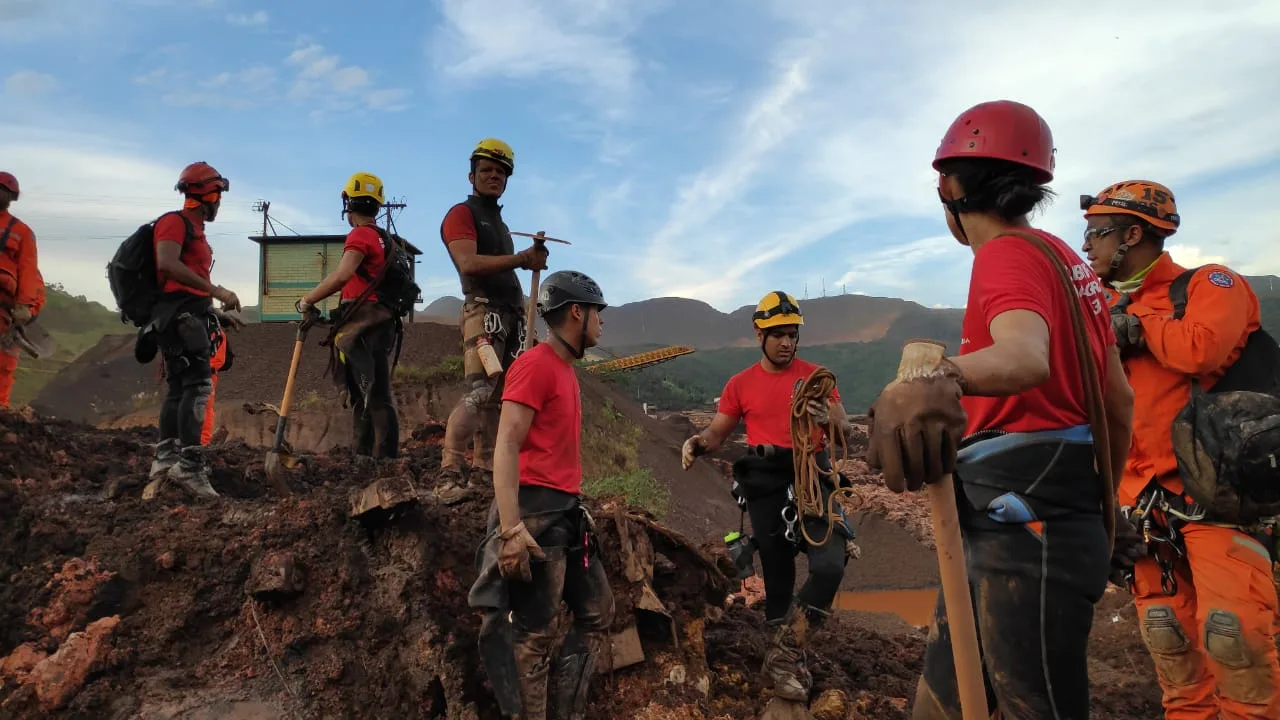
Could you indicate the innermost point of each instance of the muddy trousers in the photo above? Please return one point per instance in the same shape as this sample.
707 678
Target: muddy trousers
8 369
186 346
1033 586
1213 638
778 558
534 608
474 418
375 425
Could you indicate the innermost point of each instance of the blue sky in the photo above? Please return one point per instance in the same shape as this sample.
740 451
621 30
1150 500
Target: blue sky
704 149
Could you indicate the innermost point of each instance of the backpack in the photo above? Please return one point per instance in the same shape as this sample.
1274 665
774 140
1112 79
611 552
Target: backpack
1227 439
132 273
394 283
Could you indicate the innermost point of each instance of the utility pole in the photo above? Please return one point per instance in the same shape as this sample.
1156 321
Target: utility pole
388 207
824 287
264 207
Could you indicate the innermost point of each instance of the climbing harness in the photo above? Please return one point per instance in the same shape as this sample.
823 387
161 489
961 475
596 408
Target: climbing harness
806 493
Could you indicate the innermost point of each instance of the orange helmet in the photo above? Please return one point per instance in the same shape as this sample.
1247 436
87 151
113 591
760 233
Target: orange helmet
10 183
200 178
1144 199
1000 130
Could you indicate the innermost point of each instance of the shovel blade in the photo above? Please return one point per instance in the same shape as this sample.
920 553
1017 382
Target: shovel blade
275 466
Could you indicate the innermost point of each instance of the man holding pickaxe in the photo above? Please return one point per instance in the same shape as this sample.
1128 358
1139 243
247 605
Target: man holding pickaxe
21 285
493 318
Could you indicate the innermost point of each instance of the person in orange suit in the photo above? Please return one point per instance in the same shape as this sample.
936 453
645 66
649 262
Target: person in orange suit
21 284
1204 591
217 363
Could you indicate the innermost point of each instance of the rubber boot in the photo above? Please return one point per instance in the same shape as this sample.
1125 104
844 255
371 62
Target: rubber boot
573 678
784 663
192 474
166 457
534 668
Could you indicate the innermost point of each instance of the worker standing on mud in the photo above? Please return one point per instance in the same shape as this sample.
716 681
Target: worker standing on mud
183 324
1204 595
541 547
363 334
22 293
762 395
484 255
1034 511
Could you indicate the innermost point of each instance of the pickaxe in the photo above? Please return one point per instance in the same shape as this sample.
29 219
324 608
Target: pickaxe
531 313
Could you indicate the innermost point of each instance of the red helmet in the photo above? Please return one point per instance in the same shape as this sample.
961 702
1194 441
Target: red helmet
10 183
199 178
1000 130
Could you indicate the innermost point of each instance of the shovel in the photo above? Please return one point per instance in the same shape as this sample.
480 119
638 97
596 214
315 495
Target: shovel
279 456
919 357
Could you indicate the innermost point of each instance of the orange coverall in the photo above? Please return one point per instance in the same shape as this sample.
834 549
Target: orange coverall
215 363
1213 640
20 284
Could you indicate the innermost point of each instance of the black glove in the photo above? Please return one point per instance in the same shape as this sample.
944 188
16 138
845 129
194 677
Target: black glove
1130 548
1128 328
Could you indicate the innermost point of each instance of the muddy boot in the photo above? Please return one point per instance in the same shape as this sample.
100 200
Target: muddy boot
534 669
192 473
573 673
453 487
166 457
784 663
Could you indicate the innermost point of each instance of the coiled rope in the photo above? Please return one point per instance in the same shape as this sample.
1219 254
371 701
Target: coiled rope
805 430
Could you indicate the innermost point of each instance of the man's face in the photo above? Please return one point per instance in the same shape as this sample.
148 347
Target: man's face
780 343
1103 235
595 326
489 178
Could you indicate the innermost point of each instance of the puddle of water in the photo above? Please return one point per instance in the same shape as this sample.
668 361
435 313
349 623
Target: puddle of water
913 606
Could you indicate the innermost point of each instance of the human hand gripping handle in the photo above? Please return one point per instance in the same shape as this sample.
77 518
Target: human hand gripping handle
692 448
513 554
917 421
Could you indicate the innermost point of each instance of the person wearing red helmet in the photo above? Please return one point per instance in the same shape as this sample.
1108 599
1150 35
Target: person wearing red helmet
184 324
1010 421
21 284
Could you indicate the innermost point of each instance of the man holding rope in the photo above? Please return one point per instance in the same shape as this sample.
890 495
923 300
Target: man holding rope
767 396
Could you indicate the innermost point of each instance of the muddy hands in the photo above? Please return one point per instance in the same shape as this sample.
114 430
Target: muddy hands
916 426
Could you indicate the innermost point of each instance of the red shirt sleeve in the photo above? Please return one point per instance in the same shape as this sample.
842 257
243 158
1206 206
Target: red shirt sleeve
364 240
458 224
730 403
1013 274
522 384
171 228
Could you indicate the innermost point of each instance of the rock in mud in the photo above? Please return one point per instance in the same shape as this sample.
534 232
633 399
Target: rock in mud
276 575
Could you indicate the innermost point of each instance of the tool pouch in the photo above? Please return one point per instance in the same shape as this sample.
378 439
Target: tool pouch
475 325
1021 477
764 473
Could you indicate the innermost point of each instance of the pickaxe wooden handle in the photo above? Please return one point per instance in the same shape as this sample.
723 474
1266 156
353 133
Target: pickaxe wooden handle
531 313
919 357
540 237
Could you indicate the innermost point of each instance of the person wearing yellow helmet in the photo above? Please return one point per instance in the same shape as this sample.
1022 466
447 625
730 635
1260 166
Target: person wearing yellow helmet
761 397
364 331
483 253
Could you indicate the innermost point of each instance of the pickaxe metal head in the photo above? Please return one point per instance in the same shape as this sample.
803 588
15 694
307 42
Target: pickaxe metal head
541 236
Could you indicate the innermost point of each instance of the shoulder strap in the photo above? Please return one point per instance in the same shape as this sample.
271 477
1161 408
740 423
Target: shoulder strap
1178 292
1094 401
4 237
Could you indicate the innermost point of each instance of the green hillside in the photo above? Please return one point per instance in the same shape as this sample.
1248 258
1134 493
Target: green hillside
75 324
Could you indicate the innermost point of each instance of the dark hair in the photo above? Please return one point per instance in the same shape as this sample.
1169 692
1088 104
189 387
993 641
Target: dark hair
1007 189
558 316
362 205
1150 233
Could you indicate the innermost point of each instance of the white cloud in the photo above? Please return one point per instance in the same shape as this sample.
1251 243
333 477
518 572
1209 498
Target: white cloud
255 19
29 82
845 130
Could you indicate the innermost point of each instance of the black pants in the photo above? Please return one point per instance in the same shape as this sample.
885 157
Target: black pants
1033 587
375 424
534 605
187 347
778 556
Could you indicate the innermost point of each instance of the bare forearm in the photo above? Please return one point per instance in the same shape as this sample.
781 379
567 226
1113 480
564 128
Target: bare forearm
184 275
1000 371
489 264
327 287
506 484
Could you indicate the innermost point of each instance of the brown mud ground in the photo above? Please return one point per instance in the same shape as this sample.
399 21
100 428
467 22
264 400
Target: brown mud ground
255 606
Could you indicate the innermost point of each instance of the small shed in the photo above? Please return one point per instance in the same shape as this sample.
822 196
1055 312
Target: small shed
290 265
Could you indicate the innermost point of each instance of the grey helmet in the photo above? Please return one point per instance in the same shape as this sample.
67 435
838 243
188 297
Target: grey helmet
568 286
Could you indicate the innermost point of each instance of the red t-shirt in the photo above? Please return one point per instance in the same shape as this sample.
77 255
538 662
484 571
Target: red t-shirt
196 253
551 454
1009 273
763 399
459 224
364 239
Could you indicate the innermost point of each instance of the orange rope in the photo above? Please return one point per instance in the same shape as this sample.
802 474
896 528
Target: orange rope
820 384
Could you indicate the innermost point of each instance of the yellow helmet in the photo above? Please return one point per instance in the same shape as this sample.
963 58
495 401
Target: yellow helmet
777 308
364 185
497 151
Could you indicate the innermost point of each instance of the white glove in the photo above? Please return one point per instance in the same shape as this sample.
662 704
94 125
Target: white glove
819 410
693 447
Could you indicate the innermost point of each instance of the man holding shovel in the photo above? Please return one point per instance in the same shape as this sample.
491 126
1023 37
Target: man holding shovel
1031 416
493 317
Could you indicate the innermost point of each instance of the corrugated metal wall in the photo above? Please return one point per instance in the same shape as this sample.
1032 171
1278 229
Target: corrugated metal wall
291 269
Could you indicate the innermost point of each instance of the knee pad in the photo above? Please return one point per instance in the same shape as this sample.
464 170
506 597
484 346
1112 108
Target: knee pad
1243 675
1170 647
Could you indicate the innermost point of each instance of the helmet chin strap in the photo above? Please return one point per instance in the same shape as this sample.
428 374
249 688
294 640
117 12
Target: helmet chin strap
1116 259
577 352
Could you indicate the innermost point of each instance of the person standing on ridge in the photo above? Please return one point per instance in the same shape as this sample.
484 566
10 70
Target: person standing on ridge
184 323
761 396
22 293
364 332
1204 592
1012 417
541 543
493 313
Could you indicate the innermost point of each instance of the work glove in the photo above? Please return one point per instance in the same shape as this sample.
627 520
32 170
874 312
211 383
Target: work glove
513 554
916 427
1130 548
819 410
1128 329
693 447
228 321
534 257
21 314
310 313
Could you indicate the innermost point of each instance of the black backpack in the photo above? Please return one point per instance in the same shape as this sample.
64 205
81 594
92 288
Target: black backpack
132 272
394 284
1227 439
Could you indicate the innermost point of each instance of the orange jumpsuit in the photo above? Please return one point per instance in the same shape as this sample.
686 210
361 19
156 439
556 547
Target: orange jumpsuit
20 284
1212 640
215 363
